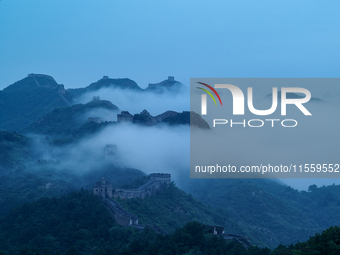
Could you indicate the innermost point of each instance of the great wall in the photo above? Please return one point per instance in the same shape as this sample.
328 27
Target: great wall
104 189
157 181
148 119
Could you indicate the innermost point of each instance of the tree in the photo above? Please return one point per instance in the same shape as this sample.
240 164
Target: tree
312 188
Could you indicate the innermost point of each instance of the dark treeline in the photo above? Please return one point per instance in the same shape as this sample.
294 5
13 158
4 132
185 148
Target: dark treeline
79 224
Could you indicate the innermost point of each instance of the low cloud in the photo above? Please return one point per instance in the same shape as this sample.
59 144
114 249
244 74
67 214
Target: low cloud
160 148
135 102
167 148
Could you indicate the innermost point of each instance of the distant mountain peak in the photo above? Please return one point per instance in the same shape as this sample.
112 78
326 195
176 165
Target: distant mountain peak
106 82
122 83
168 84
29 99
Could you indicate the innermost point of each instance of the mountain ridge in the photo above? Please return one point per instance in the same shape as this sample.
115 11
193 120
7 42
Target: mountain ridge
30 98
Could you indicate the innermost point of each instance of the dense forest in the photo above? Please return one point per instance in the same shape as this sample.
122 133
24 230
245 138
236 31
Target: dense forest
79 224
268 212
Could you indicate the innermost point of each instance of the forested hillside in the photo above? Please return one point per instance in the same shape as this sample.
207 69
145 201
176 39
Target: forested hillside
79 224
268 212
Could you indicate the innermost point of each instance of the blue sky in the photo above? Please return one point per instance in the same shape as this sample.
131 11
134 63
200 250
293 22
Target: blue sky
77 42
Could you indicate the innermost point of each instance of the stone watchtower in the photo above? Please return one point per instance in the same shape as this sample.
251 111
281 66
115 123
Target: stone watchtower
124 116
103 188
110 150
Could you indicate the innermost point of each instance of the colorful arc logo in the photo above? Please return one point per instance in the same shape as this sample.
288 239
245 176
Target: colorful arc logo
208 92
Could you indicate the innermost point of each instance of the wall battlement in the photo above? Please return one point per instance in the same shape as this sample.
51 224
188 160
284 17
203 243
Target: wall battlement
147 118
156 182
122 216
94 120
103 188
124 116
